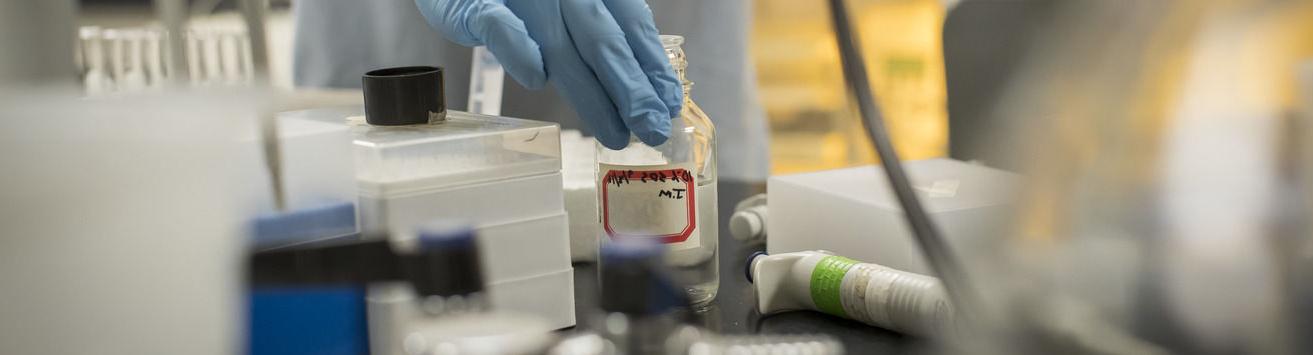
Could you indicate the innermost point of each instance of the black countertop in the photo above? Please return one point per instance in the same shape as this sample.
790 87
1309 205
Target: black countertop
734 310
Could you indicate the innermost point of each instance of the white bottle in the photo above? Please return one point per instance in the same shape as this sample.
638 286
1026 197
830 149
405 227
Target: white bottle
154 62
96 80
873 294
134 72
748 223
667 192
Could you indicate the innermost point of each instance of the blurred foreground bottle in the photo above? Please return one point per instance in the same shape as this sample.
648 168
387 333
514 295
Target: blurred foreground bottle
668 192
452 313
1164 211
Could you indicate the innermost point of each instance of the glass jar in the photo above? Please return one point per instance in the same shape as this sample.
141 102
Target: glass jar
667 192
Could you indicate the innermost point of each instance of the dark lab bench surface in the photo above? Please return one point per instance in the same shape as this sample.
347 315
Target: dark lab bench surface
735 312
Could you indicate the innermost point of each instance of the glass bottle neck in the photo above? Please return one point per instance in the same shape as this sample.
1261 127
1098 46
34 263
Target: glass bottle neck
687 85
675 52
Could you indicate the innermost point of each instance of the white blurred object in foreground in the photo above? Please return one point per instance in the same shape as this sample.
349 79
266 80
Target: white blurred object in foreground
121 230
1163 192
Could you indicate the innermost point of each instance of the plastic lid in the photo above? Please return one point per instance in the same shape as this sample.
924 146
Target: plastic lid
634 279
448 263
669 41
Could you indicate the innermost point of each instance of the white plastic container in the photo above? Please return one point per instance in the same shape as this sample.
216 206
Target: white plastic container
540 295
500 174
523 249
483 203
854 212
579 172
480 169
466 148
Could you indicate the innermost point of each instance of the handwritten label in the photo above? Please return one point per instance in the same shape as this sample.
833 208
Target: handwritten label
649 201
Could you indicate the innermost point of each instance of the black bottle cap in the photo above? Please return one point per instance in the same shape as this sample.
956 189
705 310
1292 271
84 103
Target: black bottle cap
445 263
337 262
448 262
634 279
404 96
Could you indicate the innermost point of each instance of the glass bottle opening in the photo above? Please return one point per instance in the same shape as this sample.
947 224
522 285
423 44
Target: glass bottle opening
670 41
675 52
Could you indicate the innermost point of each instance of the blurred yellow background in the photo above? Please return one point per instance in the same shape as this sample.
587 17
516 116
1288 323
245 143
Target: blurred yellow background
814 125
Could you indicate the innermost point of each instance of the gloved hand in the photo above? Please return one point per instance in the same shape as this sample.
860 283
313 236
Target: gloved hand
603 55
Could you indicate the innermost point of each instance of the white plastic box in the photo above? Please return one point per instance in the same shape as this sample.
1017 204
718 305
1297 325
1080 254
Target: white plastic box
542 241
540 295
579 172
502 175
482 203
854 213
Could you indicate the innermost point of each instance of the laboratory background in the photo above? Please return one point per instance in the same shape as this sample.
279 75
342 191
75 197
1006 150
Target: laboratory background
593 177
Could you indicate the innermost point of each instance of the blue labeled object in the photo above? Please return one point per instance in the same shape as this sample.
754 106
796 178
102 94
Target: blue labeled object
308 320
289 320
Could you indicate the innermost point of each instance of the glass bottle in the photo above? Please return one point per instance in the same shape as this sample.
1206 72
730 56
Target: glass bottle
667 192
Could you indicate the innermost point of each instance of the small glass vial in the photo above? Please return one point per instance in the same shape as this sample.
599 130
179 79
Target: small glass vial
667 192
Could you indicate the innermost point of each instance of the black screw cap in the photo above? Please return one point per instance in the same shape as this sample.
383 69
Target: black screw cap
448 263
634 279
404 96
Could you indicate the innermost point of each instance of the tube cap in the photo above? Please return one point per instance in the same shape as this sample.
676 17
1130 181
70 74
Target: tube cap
404 96
634 279
746 225
448 263
747 267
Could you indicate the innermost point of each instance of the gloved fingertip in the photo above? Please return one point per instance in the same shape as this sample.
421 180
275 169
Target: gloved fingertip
656 130
675 106
654 138
538 82
508 39
671 92
530 79
613 142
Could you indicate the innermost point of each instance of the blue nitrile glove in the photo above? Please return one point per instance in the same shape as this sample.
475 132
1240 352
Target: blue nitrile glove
604 56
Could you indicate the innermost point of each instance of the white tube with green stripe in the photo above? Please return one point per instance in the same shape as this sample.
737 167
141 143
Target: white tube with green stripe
873 294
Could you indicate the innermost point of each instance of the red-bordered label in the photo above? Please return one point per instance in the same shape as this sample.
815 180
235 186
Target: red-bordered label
648 202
